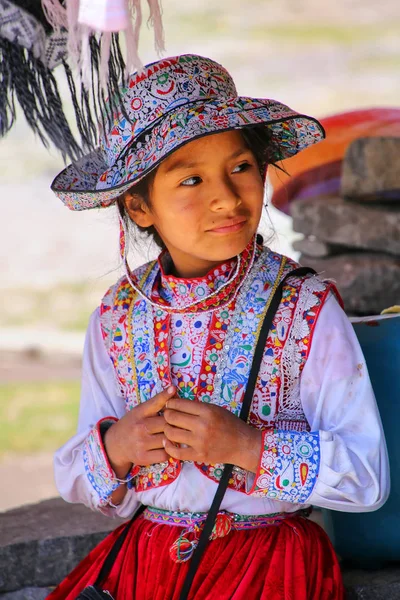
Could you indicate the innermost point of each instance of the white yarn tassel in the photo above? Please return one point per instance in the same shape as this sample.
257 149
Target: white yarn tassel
104 56
156 21
133 61
84 55
83 18
74 33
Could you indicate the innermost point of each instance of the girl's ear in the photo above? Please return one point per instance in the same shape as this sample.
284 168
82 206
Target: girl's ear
137 209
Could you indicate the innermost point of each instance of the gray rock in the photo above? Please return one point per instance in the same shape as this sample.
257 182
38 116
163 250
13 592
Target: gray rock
381 584
27 594
315 248
41 543
382 592
367 282
371 170
337 221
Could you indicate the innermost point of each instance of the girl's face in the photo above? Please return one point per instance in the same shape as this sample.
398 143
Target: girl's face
206 202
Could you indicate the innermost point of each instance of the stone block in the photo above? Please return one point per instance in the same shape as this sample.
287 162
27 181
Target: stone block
379 584
371 170
367 282
336 221
315 248
27 594
46 527
41 543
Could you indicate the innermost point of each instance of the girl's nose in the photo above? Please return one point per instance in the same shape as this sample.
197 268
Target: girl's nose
225 195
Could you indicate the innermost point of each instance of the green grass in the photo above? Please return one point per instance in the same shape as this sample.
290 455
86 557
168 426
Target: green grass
65 306
37 417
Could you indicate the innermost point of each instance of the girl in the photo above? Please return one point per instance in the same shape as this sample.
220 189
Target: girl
169 350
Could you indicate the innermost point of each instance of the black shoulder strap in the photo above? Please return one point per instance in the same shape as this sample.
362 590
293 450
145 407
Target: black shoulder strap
244 413
112 555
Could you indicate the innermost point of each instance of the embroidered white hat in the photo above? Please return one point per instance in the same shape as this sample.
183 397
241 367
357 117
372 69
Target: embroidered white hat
172 102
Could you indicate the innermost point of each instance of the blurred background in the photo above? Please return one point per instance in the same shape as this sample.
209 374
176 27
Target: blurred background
319 58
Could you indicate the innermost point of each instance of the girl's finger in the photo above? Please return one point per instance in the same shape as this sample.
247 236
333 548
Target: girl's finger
157 403
178 452
155 424
186 406
180 436
155 442
181 419
155 456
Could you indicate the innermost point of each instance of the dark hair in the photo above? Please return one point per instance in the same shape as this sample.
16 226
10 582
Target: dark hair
143 191
258 140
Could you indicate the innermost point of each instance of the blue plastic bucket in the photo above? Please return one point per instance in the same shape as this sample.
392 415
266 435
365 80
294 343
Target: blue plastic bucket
373 538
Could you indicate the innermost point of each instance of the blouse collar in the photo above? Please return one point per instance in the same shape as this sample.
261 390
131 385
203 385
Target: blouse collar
180 291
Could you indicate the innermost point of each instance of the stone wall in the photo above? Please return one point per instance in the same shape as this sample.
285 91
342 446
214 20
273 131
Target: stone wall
354 237
41 543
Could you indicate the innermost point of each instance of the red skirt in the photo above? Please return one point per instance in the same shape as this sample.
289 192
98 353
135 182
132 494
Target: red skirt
290 561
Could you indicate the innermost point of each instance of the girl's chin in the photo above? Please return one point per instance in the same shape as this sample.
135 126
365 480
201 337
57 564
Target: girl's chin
231 243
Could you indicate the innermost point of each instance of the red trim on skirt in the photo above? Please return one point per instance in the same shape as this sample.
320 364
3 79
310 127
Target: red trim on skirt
290 561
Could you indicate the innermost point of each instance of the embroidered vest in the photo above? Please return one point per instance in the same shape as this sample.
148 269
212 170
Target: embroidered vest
134 336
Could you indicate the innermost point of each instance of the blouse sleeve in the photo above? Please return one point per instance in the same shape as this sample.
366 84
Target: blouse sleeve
82 471
342 463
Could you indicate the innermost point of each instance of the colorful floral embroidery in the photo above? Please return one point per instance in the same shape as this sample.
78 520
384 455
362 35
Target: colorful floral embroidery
208 355
97 466
289 466
172 102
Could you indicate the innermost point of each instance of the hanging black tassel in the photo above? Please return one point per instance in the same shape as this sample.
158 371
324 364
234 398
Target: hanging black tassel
28 80
24 78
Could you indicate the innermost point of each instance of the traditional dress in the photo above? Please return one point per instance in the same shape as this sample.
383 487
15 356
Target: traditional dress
323 442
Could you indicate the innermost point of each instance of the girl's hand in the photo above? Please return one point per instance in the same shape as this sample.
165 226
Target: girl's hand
137 438
211 435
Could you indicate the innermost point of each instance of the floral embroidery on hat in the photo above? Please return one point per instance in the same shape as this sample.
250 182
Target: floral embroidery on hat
175 101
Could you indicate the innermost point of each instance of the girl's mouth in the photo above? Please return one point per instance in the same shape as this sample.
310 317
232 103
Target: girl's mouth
230 226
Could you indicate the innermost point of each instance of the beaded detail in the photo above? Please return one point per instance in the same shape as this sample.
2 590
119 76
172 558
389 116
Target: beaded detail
97 467
221 297
215 363
182 549
288 467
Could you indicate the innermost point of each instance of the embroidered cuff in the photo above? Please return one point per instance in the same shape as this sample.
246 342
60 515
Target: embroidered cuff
289 466
97 466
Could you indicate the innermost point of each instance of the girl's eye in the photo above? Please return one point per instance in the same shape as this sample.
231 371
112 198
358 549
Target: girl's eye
242 167
191 181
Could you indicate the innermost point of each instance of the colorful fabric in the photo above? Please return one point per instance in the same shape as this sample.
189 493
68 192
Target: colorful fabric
293 560
317 171
193 523
288 467
97 466
172 102
208 356
189 520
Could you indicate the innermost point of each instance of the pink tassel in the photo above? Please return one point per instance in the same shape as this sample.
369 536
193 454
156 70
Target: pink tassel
55 13
122 240
156 21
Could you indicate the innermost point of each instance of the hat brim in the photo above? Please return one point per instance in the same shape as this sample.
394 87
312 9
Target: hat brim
91 183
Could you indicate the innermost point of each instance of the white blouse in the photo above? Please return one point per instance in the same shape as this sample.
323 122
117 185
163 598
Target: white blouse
338 402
